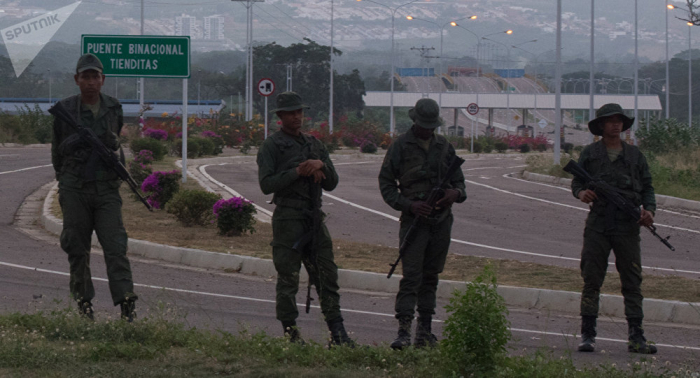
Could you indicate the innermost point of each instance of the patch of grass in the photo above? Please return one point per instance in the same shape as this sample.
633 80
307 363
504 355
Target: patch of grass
60 343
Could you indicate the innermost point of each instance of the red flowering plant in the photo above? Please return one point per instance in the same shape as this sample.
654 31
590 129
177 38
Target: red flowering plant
140 167
160 187
516 141
322 133
356 132
234 216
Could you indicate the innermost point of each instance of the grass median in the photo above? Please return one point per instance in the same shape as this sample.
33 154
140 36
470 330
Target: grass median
163 228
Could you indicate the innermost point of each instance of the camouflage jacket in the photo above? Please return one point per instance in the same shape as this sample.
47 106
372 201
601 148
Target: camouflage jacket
72 159
628 174
408 172
278 158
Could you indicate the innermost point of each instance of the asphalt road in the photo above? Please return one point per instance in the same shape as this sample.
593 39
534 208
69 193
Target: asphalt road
503 217
33 269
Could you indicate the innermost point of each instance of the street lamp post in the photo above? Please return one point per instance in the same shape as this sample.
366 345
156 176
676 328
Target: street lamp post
690 77
668 81
391 74
330 108
199 87
508 32
50 94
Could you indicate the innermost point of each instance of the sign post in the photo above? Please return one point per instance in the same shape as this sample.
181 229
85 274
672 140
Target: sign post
473 109
266 87
145 56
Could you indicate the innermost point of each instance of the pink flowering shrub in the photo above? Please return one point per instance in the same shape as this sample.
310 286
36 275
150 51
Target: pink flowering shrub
156 134
144 157
160 187
234 216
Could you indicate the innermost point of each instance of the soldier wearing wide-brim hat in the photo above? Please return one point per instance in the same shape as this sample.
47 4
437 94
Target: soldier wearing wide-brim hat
89 191
413 165
608 228
605 111
295 166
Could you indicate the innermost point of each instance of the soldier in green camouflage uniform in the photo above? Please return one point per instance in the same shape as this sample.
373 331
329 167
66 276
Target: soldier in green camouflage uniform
292 165
89 191
624 168
412 167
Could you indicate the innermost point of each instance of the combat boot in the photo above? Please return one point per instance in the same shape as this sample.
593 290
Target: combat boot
338 334
424 337
85 309
588 334
128 310
403 340
291 332
637 341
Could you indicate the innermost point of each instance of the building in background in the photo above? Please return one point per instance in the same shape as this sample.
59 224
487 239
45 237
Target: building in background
186 25
214 28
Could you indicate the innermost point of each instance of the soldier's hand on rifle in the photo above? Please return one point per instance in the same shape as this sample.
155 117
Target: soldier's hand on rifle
646 219
420 208
451 196
587 196
308 167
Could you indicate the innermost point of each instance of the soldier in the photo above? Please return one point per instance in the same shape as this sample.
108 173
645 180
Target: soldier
89 192
625 168
413 165
294 167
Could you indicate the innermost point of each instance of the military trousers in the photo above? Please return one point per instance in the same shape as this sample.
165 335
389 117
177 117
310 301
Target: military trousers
594 264
100 211
323 272
422 262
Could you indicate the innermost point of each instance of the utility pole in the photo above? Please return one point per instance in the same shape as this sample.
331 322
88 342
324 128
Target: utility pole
249 61
141 81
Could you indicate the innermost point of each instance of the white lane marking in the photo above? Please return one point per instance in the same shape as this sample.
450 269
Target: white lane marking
499 248
26 169
361 207
508 175
202 170
394 218
260 300
9 155
569 206
353 163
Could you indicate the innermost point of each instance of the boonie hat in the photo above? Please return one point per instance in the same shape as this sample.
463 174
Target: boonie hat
288 101
608 110
426 113
89 62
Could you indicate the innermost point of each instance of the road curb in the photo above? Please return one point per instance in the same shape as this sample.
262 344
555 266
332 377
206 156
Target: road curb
529 298
661 200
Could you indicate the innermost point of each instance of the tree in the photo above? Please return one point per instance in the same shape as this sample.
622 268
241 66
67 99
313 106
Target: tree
310 77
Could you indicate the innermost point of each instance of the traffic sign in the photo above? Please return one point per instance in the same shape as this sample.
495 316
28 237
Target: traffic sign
542 123
140 55
473 108
266 87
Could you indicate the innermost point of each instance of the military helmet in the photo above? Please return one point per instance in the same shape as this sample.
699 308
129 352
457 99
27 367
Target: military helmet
426 114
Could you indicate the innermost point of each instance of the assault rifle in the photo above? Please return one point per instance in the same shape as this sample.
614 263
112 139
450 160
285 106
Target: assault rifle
108 157
308 243
435 195
608 193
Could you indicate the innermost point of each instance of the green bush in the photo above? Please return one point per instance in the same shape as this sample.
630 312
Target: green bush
157 147
668 135
476 330
501 146
524 148
28 126
234 216
160 187
368 147
478 146
139 171
193 148
541 147
193 207
487 148
207 147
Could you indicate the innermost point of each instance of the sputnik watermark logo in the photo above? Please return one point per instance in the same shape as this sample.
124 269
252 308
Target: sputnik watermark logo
24 40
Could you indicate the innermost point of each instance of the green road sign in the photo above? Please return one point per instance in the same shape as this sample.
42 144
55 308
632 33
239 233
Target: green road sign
140 56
